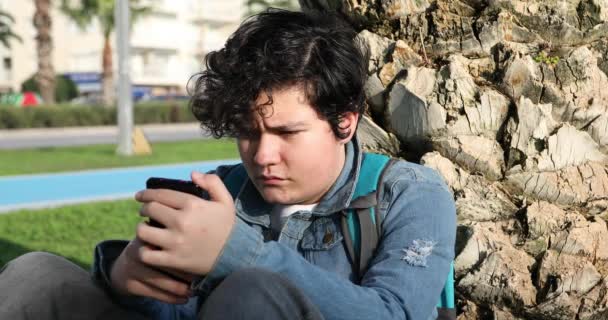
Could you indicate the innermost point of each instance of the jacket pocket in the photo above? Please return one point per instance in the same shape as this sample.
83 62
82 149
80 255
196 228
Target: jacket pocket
322 234
323 246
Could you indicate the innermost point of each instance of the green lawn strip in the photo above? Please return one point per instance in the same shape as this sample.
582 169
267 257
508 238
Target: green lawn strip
70 231
42 160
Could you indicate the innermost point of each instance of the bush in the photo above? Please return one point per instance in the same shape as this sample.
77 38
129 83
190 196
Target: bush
69 116
65 88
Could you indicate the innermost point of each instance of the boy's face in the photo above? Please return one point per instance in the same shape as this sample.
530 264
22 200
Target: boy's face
294 157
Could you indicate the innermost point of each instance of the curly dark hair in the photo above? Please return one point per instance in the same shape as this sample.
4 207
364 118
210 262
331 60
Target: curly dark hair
274 50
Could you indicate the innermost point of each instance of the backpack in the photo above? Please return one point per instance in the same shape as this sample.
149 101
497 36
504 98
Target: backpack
362 223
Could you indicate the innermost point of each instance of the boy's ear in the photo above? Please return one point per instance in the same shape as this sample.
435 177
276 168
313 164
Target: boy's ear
349 124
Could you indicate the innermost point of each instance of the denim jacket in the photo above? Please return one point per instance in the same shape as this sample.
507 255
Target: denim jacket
405 276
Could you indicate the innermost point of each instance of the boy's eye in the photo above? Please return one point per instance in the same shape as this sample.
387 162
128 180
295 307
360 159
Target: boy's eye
288 133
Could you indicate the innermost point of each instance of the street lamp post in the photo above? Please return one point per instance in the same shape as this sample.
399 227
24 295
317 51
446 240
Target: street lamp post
125 101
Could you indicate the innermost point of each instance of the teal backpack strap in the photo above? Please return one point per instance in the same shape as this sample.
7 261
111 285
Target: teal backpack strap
235 179
446 307
361 223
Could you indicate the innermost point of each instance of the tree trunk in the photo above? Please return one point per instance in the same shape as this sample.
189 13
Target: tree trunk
508 101
45 77
107 74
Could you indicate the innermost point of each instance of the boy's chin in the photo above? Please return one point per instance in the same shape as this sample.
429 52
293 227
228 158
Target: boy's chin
277 196
274 198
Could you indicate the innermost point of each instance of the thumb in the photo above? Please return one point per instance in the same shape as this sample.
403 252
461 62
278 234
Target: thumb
214 186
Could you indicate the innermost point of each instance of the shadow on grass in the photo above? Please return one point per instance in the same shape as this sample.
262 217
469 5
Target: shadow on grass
10 250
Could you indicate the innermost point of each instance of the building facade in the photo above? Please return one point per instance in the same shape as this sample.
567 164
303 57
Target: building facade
167 46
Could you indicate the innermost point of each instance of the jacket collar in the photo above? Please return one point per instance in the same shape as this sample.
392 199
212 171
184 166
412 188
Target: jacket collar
251 207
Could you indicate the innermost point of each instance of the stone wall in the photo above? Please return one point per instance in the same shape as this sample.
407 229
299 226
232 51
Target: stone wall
508 100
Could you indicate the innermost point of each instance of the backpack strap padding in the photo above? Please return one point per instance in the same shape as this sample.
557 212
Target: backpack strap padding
349 225
361 223
365 220
369 237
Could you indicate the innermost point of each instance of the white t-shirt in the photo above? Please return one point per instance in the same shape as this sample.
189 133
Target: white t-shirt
281 212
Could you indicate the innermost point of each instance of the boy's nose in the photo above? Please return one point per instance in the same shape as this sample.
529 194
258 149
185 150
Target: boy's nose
267 152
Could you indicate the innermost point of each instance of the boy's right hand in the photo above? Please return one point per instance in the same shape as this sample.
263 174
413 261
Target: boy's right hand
130 276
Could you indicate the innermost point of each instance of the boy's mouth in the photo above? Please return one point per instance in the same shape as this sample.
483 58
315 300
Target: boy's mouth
270 179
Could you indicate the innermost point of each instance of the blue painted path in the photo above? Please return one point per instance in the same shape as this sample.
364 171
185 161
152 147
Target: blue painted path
48 190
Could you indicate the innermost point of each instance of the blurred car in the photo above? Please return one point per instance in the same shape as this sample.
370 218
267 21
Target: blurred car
166 97
22 99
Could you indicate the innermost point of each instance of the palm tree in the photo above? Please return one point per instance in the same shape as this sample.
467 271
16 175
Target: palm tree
45 77
84 12
6 31
255 6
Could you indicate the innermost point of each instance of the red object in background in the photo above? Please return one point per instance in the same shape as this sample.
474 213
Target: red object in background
30 99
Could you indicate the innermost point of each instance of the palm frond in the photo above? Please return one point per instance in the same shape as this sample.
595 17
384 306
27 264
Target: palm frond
6 16
6 33
82 12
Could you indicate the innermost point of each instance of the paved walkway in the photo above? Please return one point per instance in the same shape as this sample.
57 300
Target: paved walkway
51 190
74 136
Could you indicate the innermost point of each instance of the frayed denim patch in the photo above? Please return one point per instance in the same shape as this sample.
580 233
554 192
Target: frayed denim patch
417 253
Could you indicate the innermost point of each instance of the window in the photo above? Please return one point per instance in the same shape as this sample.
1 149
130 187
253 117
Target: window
7 63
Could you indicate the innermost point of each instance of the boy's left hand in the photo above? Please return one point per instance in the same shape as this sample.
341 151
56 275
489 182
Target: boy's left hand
195 229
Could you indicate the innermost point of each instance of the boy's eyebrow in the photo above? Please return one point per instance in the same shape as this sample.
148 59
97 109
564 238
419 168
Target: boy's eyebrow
288 125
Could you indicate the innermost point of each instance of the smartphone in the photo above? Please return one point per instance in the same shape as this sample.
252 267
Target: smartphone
185 186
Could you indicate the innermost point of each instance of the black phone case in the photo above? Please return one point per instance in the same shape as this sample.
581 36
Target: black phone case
175 184
172 184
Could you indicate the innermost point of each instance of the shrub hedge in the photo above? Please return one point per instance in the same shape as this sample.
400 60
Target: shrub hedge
69 116
65 88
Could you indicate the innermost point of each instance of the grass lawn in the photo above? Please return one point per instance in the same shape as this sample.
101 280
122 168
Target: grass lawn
70 231
58 159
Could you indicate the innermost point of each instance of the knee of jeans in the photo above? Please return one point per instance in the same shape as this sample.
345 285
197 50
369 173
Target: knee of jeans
36 259
252 276
249 280
44 264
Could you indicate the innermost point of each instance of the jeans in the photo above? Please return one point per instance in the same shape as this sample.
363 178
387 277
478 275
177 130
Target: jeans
40 285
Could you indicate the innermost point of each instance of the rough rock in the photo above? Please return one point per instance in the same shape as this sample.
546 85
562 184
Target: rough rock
477 199
502 278
374 91
402 8
401 58
470 311
409 115
569 186
540 143
564 306
523 77
456 87
476 154
534 124
478 241
480 200
561 273
569 147
594 304
484 117
508 101
584 239
573 87
544 219
455 177
373 138
378 47
569 287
